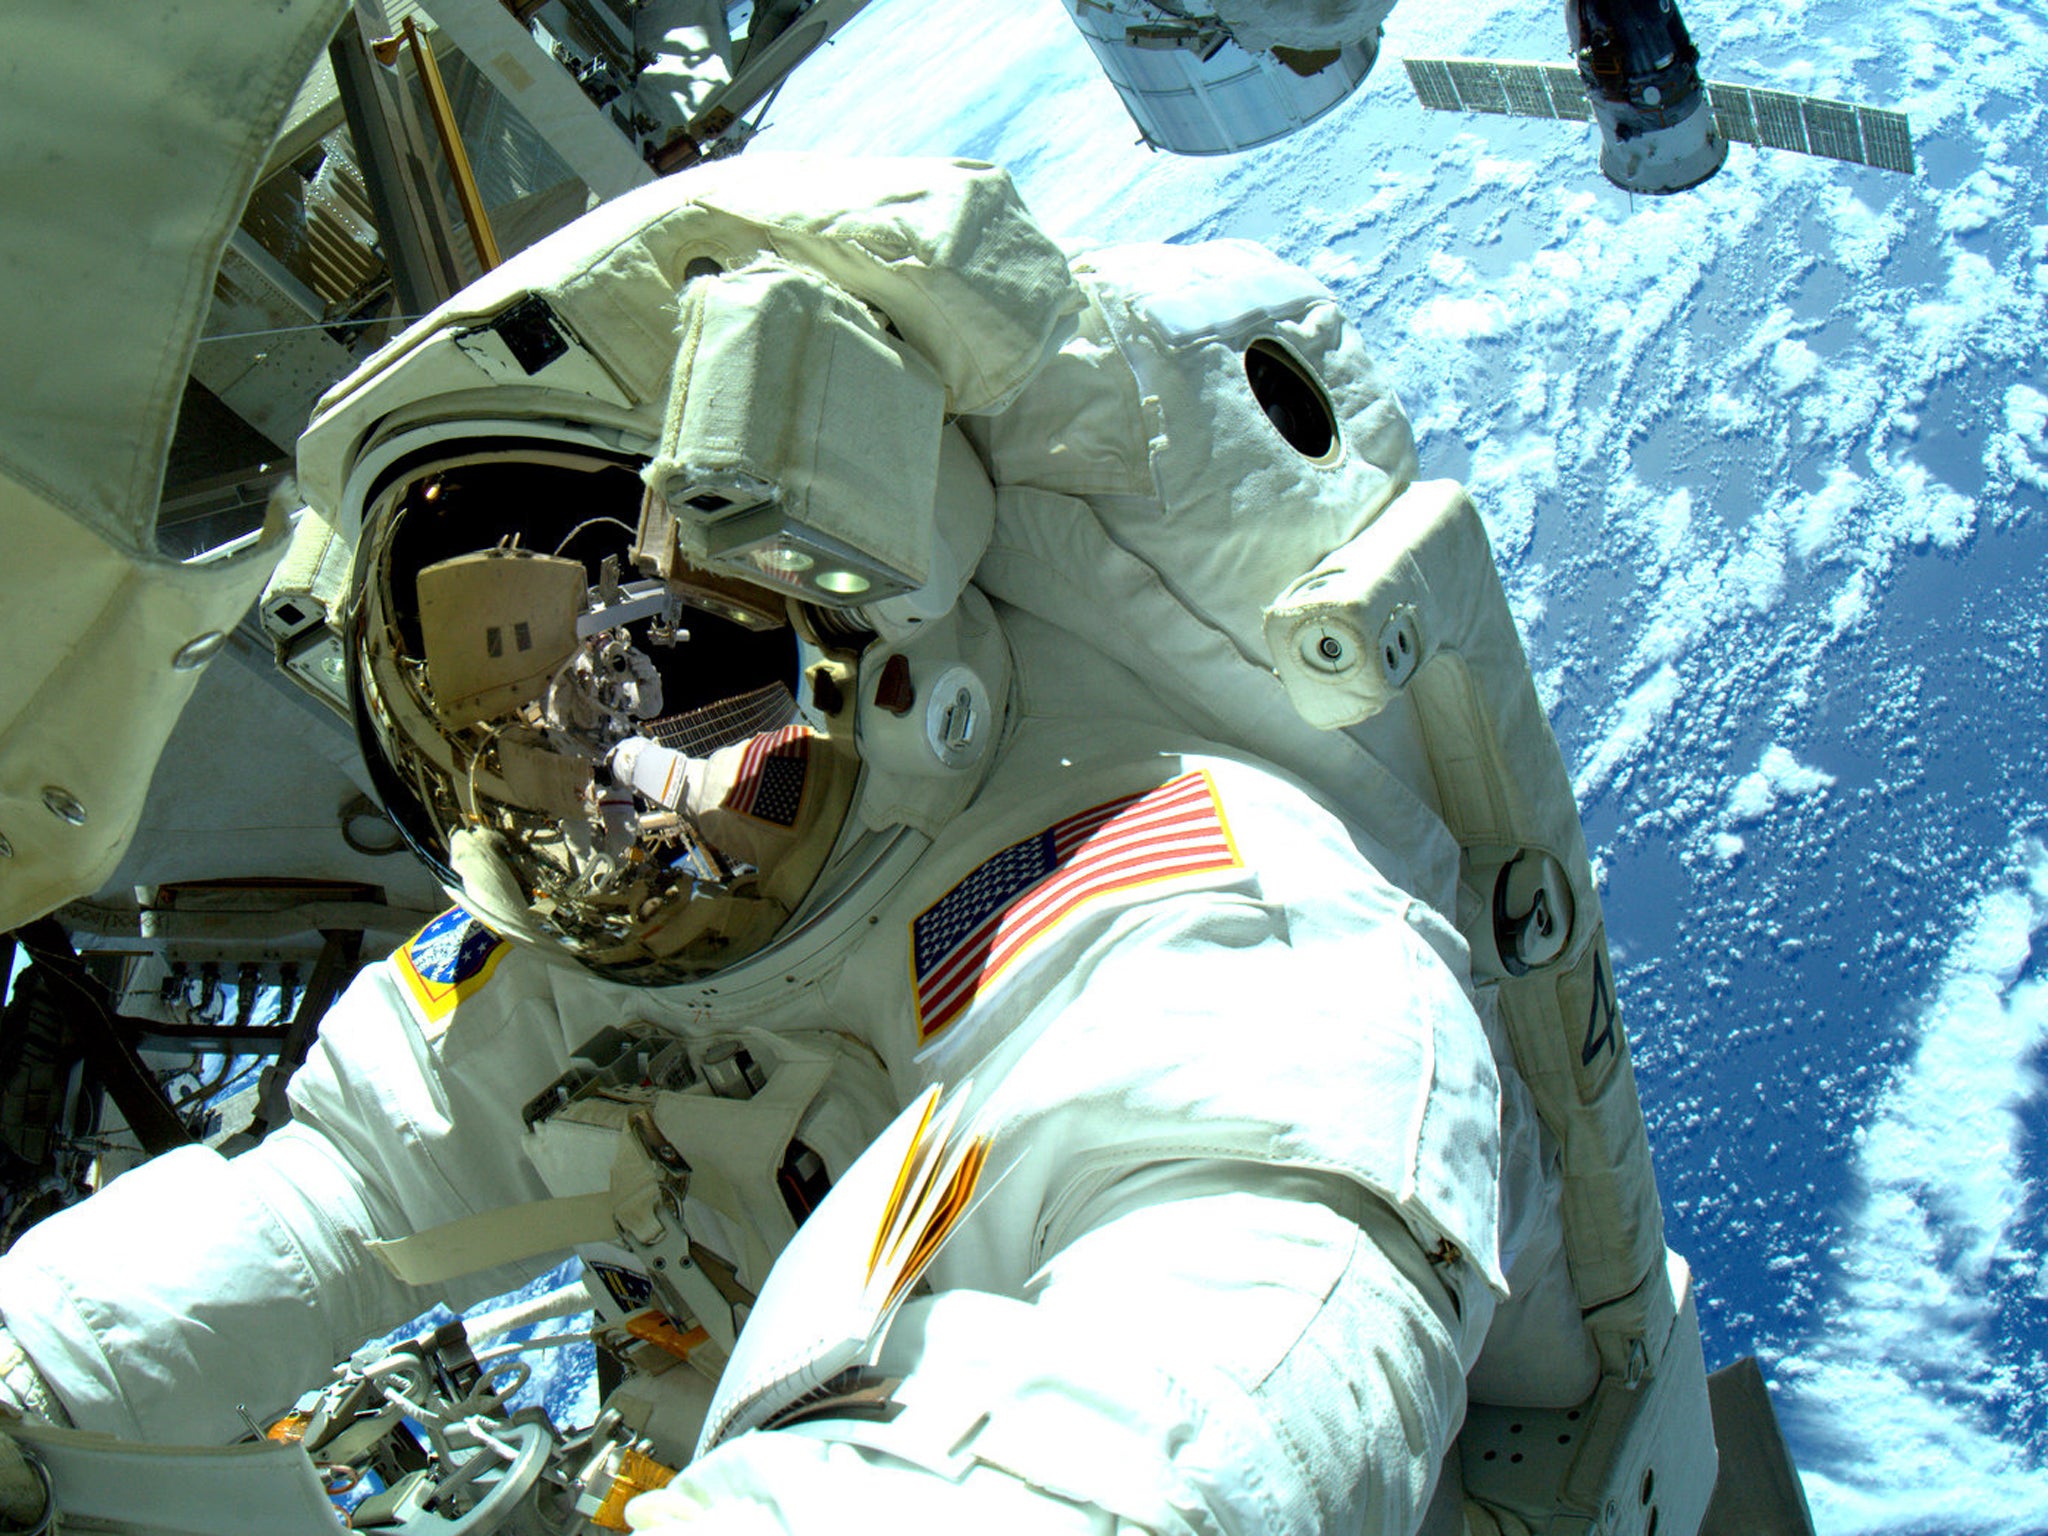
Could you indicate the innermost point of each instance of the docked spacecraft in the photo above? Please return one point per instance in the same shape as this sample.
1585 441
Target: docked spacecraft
1635 73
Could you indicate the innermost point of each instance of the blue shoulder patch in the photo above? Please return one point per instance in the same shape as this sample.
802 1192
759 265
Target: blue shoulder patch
448 960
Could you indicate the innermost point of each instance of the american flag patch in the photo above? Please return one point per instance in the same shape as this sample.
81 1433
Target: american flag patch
969 936
770 783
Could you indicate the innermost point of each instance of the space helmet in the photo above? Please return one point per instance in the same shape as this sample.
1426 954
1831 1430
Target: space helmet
645 637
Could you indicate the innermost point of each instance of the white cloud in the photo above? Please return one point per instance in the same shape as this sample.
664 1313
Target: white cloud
1755 572
1496 171
2026 414
1978 303
1629 730
1611 318
1928 511
1508 481
1447 319
1863 238
1793 365
1333 267
1670 520
1851 605
1732 414
1819 521
1974 204
1451 271
1682 611
1774 327
1778 776
2019 454
1848 400
1899 1381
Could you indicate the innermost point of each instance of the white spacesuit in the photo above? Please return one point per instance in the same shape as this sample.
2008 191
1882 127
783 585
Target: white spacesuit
860 672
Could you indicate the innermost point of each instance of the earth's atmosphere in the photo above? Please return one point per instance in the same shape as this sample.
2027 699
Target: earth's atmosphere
1764 466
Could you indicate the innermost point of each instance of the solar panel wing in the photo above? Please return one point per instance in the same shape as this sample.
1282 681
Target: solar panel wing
1433 85
1523 84
1479 88
1567 93
1778 120
1731 111
1807 125
1887 139
1831 128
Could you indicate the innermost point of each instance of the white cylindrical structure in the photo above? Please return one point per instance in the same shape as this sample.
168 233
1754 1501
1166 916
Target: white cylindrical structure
1658 151
1193 90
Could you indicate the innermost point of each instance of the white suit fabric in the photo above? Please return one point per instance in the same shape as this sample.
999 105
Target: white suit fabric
1160 1062
1248 1241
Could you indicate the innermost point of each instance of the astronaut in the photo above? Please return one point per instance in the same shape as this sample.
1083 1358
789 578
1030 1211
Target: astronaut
906 938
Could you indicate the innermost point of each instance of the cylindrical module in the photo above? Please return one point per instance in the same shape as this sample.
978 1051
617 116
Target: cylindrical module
1194 90
1642 80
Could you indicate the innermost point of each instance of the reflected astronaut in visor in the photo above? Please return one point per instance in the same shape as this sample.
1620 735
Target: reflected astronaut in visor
629 757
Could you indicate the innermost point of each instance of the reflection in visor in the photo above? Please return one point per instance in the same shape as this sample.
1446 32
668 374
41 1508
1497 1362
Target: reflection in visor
700 732
738 805
623 763
719 786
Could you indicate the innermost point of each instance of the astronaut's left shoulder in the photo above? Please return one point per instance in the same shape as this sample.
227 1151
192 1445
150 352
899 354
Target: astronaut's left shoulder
1011 891
1280 822
1027 895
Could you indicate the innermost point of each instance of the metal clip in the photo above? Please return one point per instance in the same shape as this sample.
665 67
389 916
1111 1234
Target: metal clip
675 1168
45 1519
691 1284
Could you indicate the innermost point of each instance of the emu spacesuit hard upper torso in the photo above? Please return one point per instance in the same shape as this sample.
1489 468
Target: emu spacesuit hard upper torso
1199 960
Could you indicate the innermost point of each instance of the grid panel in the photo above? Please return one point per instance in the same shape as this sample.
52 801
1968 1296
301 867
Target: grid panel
1433 85
1567 93
700 732
1887 139
1807 125
1831 129
1523 84
1479 88
1778 120
1731 111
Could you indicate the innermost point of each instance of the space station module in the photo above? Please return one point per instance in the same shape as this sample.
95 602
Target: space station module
1127 1027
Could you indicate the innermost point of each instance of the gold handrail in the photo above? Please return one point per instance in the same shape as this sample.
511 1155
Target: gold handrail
438 107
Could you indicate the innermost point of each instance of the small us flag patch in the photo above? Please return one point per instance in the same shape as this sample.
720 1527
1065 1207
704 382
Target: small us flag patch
770 783
969 936
450 958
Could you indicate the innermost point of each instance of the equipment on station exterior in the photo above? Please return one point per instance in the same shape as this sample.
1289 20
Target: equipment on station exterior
1662 128
1200 80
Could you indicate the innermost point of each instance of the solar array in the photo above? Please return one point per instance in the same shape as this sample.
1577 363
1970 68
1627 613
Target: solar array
1810 125
1499 86
1807 125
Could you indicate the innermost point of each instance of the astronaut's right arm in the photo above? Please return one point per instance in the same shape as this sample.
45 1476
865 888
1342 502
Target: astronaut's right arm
1223 1349
198 1288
